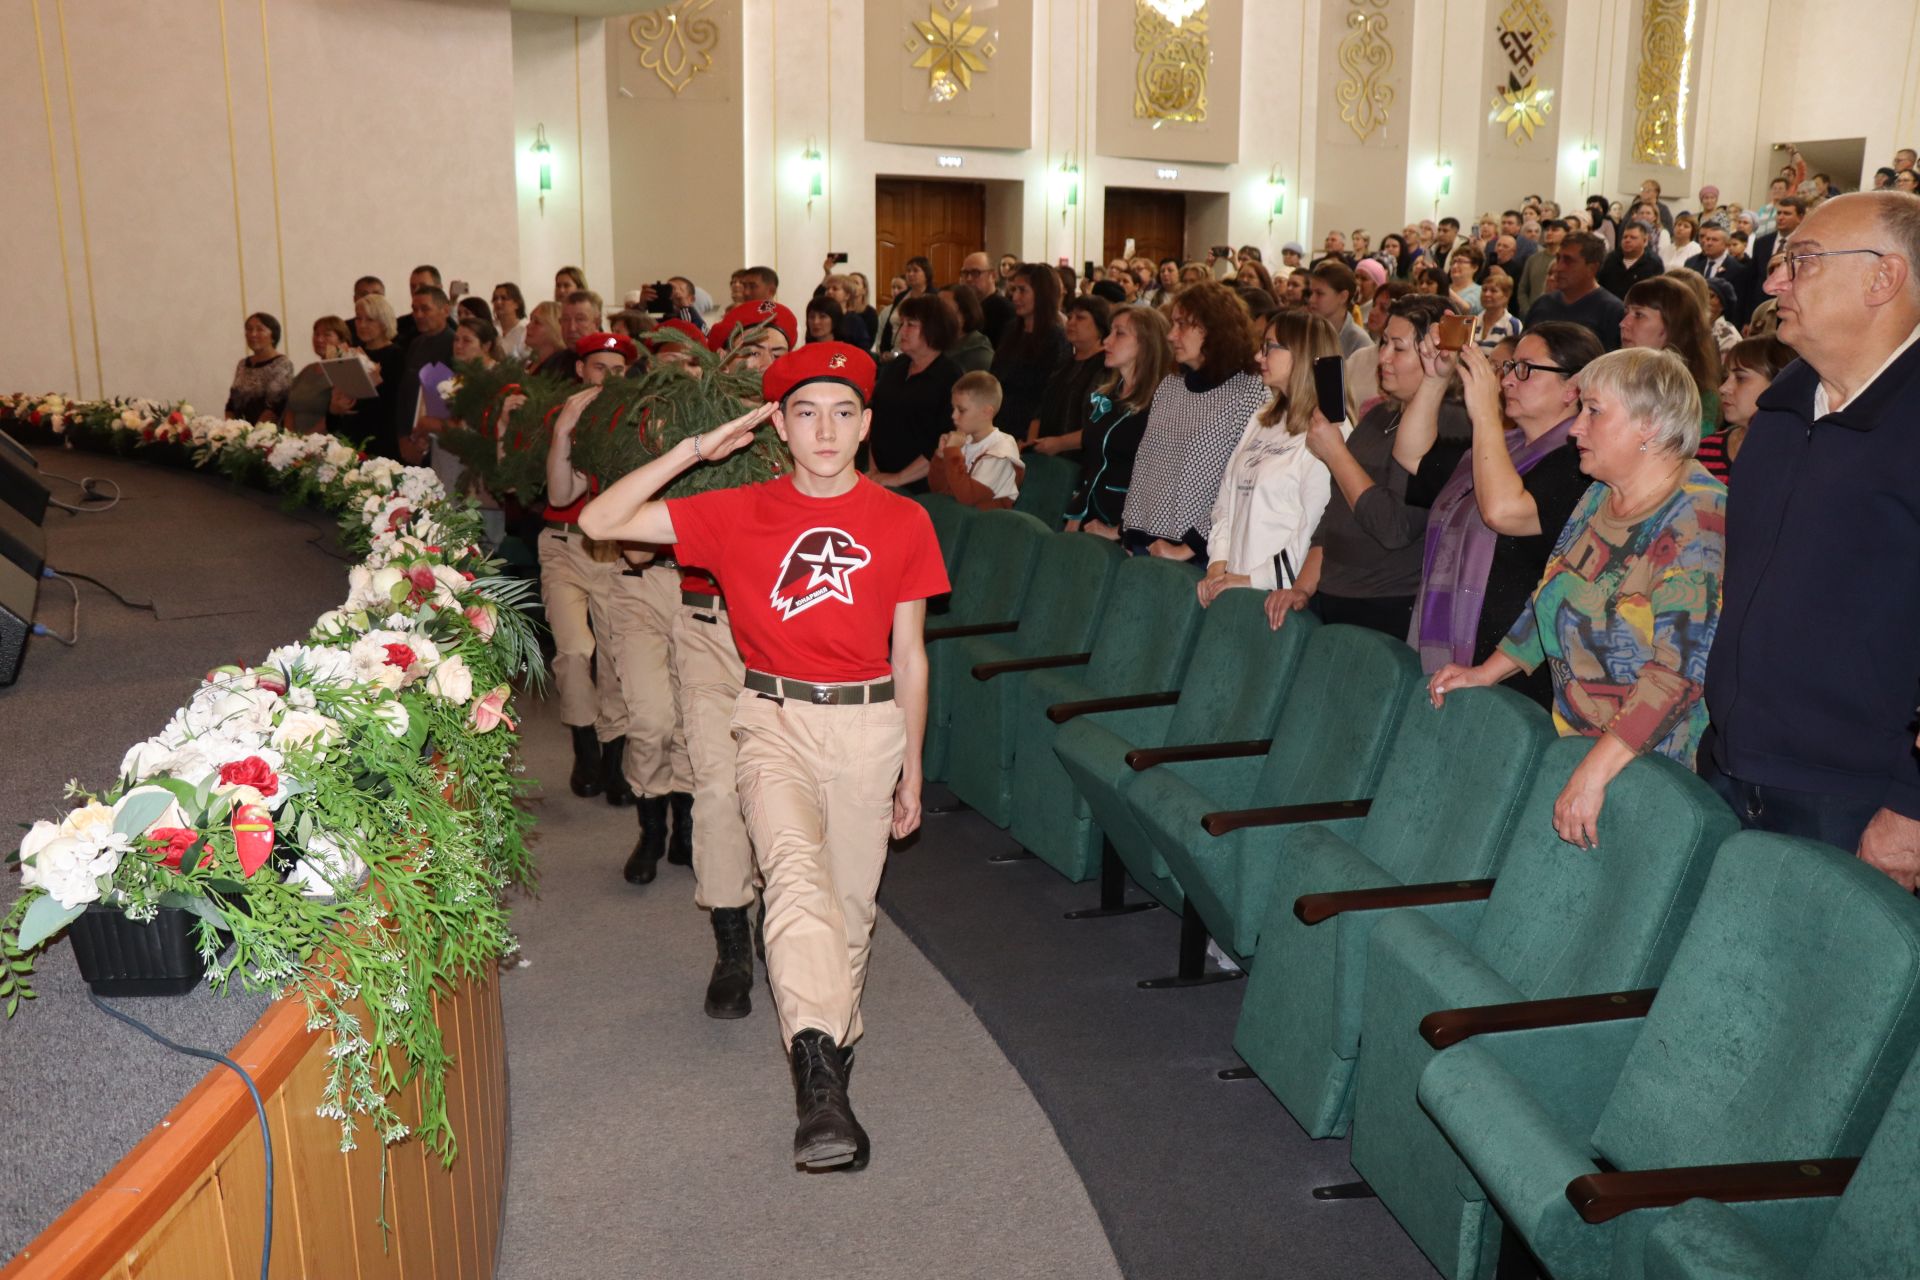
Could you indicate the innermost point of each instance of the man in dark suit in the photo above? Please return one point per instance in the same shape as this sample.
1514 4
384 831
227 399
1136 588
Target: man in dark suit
1715 263
419 278
1787 212
1632 262
432 344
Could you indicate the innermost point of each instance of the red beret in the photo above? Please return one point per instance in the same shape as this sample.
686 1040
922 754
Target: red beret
595 343
840 362
678 326
748 314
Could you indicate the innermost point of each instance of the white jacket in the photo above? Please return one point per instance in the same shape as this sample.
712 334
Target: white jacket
1271 497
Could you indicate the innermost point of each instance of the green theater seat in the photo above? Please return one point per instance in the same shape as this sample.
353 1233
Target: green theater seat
1446 808
1785 1222
988 590
1140 650
951 525
1559 922
1240 672
1329 747
1057 624
1790 1011
1045 488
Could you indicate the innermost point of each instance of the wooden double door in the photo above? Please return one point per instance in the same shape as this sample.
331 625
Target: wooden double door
1156 220
915 217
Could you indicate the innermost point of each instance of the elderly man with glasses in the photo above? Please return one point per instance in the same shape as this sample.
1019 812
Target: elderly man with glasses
1813 682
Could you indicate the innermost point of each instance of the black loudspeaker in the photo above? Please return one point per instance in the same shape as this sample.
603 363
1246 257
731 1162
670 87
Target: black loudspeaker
21 541
20 486
18 588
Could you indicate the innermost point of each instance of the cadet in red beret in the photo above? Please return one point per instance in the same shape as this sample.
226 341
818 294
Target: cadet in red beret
595 343
826 576
748 314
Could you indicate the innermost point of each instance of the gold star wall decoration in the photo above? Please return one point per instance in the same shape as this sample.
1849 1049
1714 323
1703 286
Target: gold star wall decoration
953 49
1524 108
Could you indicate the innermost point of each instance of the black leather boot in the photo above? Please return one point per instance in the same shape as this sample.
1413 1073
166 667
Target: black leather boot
680 841
652 843
730 990
613 773
828 1136
586 761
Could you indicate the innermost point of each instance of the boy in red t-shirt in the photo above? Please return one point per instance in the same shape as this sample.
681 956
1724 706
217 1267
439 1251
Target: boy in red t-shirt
826 576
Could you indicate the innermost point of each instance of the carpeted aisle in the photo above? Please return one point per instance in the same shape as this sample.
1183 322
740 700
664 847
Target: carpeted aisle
649 1140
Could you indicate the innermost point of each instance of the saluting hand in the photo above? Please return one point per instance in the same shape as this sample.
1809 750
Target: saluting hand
731 437
570 412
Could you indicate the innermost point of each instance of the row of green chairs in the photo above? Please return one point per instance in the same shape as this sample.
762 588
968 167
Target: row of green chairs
1521 1035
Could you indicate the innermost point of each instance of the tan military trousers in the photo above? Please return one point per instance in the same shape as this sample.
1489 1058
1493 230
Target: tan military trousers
640 610
574 587
707 673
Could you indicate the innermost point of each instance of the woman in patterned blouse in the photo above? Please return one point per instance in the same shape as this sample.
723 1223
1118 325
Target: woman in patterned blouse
1199 411
1626 611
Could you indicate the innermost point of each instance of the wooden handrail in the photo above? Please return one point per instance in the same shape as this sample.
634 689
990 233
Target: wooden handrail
91 1237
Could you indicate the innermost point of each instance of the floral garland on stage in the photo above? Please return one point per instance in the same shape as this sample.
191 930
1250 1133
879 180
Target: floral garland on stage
344 814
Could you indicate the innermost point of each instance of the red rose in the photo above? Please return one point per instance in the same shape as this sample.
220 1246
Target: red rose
175 418
423 583
398 655
172 844
146 432
34 417
433 551
251 772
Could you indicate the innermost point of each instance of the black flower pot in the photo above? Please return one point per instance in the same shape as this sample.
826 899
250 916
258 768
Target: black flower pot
122 957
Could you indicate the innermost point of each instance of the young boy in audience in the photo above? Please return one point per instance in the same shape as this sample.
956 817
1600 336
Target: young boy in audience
977 463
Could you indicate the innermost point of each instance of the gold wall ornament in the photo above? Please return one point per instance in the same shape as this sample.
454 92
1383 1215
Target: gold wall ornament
1170 79
675 43
1526 33
1660 89
1365 57
952 49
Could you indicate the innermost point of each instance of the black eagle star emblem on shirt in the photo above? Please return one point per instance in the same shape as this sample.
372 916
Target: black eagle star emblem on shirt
819 567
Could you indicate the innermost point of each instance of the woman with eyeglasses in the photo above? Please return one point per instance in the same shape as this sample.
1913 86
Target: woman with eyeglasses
1625 614
1491 527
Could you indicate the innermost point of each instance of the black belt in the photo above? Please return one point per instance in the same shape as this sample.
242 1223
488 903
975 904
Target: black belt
821 695
557 527
641 570
701 600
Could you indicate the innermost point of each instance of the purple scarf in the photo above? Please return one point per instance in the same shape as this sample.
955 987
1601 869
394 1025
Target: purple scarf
1459 556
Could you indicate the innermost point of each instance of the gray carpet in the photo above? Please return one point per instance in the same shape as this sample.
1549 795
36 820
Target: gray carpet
1191 1176
649 1140
230 576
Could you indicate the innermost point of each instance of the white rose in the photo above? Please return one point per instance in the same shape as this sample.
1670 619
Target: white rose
330 623
301 728
451 680
91 821
339 455
38 837
146 759
396 718
327 867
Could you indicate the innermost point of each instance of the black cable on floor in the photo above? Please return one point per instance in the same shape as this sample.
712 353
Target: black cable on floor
131 604
259 1107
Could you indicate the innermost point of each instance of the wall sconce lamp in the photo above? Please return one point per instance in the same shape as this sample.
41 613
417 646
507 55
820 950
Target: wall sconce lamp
543 159
1592 155
1443 178
1066 183
1276 194
813 169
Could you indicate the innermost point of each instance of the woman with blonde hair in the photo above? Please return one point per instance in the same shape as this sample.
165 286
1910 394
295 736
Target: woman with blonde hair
1138 357
1274 489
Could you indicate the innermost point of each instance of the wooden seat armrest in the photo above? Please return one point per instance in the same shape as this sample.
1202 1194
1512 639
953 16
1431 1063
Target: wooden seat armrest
988 670
1061 712
1601 1197
1141 758
1313 908
971 629
1219 824
1450 1026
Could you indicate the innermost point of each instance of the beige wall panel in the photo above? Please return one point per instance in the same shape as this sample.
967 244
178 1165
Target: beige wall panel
45 340
995 107
560 81
1123 131
676 161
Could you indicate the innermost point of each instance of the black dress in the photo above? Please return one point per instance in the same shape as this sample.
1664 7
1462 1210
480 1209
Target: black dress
911 411
1023 364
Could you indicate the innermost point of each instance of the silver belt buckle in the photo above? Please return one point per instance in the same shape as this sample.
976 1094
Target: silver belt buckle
822 695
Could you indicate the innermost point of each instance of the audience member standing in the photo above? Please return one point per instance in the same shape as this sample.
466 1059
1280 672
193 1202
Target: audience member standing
1198 414
1369 538
1752 364
1493 525
918 273
1066 399
1812 688
913 395
1031 348
1330 291
1665 315
261 379
419 278
1576 294
1715 261
1138 356
1627 611
974 352
1274 489
432 344
371 422
510 318
976 272
1634 261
